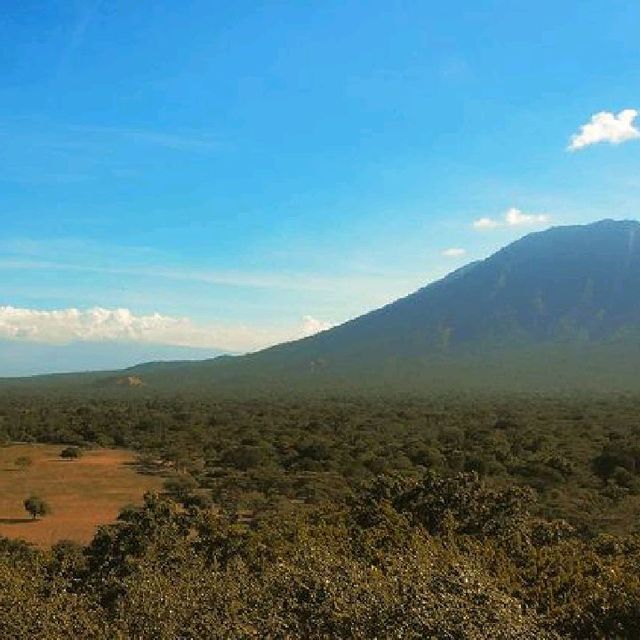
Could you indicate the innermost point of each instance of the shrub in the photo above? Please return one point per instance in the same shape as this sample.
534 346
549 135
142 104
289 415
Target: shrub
36 506
70 453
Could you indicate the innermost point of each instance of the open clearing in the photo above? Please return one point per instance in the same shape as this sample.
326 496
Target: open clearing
82 493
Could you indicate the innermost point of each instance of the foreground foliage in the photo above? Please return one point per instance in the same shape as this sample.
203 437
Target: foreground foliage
401 559
344 519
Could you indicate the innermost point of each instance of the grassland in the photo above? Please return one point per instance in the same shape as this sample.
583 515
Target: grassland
82 493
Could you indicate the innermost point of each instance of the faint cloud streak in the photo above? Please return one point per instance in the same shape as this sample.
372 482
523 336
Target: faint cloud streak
454 252
513 217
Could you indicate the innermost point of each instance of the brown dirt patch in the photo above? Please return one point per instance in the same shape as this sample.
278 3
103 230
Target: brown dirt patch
82 493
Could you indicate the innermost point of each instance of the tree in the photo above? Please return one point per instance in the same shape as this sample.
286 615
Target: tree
23 462
70 453
180 487
36 506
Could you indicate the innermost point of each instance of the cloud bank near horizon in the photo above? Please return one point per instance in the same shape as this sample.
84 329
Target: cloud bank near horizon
64 326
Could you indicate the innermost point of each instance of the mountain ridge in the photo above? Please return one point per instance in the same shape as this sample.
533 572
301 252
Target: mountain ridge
553 307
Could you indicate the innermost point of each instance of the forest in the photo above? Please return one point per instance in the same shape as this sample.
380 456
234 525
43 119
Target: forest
457 516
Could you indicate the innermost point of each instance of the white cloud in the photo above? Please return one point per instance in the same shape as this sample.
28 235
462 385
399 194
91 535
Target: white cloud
454 252
485 223
63 326
606 127
311 325
516 218
513 217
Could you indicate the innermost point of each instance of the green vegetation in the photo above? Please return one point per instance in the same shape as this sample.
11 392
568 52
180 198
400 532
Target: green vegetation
71 453
452 517
580 453
36 507
427 557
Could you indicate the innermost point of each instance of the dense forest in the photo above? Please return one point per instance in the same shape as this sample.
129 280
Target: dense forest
355 517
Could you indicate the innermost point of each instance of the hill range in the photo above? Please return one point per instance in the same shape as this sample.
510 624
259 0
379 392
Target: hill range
556 310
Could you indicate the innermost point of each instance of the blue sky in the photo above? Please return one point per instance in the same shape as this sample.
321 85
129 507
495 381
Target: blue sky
262 169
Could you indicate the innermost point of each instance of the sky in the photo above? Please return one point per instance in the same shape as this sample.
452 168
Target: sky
227 176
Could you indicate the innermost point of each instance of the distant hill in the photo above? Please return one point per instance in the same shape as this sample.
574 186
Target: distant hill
24 358
558 309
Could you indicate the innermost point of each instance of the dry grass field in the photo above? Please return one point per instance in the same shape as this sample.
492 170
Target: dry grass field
82 493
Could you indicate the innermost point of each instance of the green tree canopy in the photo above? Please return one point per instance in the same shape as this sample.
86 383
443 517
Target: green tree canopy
36 507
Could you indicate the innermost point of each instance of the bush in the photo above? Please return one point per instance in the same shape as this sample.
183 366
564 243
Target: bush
70 453
36 506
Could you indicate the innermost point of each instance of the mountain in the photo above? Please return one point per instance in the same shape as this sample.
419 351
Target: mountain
558 309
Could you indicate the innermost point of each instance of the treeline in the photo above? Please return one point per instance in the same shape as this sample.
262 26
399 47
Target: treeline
581 455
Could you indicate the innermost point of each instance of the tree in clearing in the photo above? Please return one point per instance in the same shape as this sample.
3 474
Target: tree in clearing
70 453
36 506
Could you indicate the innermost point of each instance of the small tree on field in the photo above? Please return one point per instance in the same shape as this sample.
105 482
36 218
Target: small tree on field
23 462
70 453
36 506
